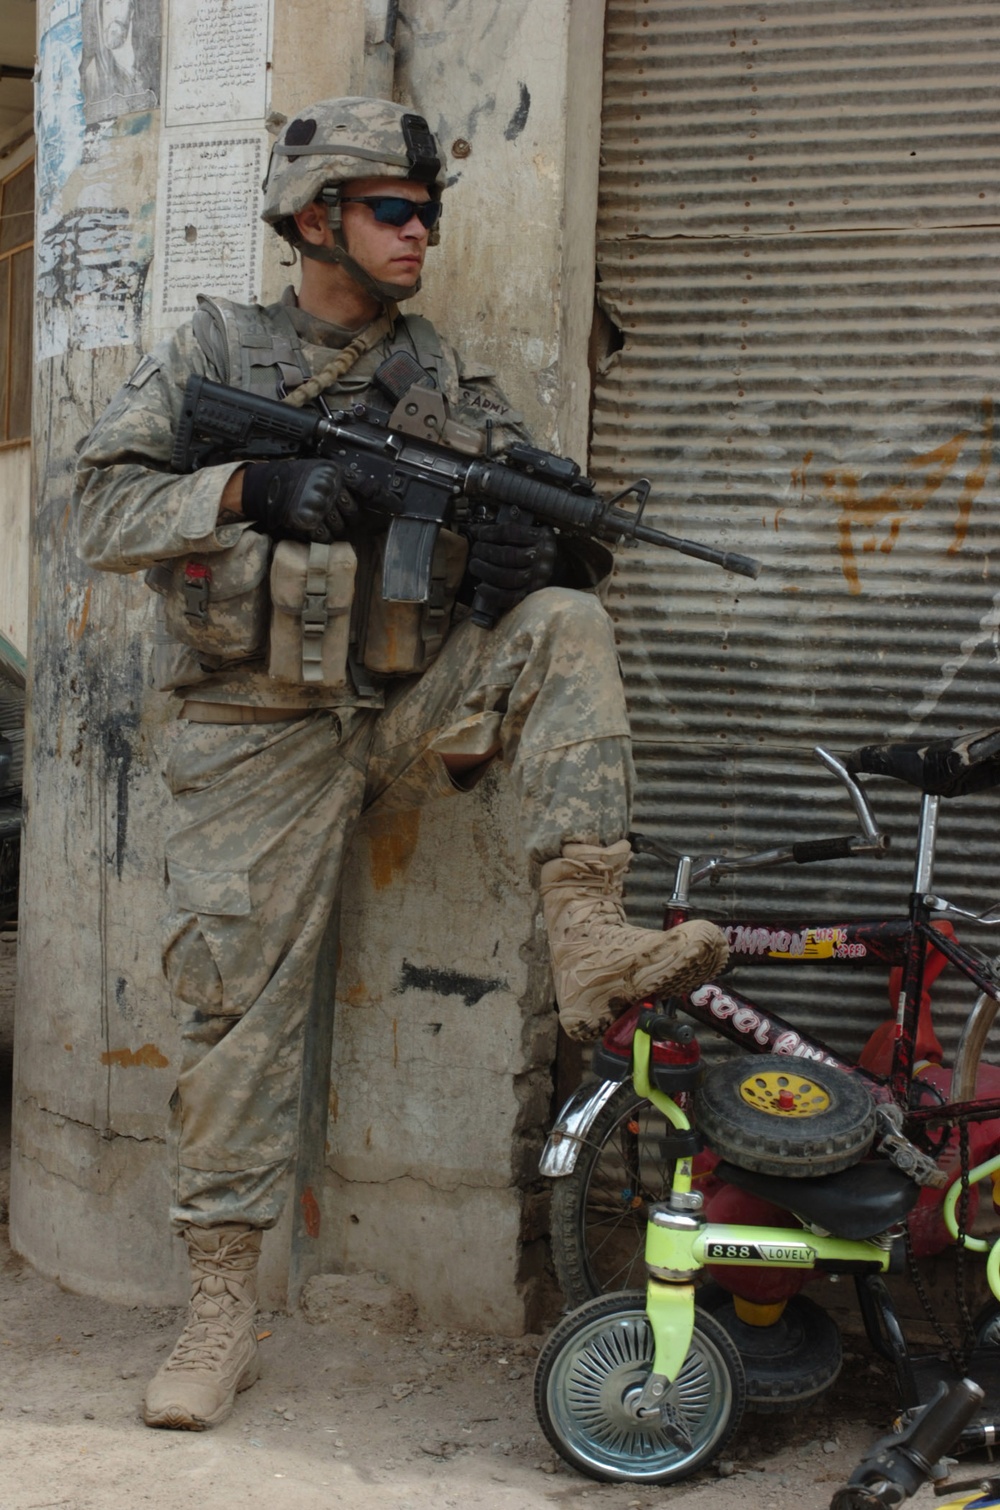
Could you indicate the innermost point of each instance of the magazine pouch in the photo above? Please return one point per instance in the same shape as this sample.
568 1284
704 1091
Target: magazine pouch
312 587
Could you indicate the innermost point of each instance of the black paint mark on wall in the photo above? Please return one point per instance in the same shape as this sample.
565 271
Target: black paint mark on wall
471 988
83 265
120 737
519 119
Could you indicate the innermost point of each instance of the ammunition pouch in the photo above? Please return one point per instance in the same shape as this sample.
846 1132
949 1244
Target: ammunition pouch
312 588
310 611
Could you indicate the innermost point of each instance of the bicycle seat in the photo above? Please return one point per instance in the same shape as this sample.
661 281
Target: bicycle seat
856 1203
937 767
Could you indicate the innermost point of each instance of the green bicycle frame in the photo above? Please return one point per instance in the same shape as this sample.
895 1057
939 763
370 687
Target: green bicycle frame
680 1243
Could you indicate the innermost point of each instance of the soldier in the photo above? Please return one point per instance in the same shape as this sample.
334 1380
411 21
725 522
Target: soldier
270 772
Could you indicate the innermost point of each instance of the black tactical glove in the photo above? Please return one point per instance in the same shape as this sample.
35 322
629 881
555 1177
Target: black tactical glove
508 561
297 500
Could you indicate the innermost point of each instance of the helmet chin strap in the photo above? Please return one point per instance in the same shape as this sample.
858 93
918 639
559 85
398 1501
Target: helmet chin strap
383 292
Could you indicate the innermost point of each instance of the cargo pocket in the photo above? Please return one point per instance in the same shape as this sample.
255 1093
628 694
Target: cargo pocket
213 958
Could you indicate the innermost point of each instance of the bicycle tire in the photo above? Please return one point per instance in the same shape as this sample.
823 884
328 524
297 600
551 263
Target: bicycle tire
787 1364
595 1363
598 1212
828 1125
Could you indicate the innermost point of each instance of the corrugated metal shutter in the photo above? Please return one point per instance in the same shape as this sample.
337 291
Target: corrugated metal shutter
798 243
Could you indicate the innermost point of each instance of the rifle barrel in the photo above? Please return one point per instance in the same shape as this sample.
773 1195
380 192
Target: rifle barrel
744 566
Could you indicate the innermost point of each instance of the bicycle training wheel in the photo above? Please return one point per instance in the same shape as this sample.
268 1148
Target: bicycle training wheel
598 1213
783 1116
590 1374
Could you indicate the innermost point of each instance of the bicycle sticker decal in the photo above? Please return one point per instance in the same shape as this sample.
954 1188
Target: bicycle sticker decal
753 1024
761 1253
783 943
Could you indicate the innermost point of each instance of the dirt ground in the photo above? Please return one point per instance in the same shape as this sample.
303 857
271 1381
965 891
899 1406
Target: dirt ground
362 1405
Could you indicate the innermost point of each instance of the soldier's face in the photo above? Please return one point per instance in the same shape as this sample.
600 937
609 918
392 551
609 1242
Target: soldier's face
392 254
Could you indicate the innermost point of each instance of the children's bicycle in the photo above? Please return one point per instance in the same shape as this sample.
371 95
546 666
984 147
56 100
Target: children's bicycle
798 1141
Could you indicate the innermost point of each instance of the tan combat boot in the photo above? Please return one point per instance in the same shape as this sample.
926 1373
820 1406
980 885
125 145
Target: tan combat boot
599 962
216 1354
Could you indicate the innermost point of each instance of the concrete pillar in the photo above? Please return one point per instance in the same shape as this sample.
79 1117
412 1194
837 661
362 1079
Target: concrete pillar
444 1037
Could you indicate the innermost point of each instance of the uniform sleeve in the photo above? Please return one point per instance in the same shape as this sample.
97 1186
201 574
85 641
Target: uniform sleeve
131 510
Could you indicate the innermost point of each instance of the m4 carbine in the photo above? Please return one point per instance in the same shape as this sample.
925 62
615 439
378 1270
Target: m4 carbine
421 470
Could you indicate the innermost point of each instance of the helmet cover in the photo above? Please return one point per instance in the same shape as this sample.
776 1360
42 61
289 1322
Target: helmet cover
336 140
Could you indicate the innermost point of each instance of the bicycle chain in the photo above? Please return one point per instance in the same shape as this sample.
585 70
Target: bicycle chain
960 1351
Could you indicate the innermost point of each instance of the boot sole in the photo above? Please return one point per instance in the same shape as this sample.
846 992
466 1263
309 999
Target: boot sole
176 1418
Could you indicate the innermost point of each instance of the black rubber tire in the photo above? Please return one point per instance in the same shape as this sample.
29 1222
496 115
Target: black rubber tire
808 1143
597 1358
598 1212
787 1364
986 1325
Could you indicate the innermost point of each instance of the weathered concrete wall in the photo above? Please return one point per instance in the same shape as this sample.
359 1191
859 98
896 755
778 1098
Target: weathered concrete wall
444 1033
15 495
444 998
15 478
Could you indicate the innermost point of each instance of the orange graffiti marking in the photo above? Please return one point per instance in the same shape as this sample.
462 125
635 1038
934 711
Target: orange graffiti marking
974 480
127 1059
879 520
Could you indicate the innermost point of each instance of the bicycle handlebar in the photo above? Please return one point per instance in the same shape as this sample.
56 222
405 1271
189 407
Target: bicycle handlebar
870 841
837 849
897 1465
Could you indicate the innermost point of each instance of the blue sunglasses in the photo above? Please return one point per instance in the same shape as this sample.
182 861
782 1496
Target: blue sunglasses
392 209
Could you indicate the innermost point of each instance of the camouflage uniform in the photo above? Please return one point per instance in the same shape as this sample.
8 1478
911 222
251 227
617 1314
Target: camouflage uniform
264 810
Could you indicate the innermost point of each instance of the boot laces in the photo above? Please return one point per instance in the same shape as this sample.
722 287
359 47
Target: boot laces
219 1308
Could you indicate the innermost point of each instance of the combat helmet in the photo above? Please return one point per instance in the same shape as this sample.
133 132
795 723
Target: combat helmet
333 141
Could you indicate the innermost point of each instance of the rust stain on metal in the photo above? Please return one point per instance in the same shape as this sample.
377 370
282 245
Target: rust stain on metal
148 1056
392 841
886 513
310 1212
800 475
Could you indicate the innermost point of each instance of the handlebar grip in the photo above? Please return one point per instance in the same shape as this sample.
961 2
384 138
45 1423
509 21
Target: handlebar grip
943 1420
821 849
663 1028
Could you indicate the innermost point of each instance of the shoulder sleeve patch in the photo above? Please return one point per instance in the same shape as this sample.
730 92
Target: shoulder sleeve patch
142 372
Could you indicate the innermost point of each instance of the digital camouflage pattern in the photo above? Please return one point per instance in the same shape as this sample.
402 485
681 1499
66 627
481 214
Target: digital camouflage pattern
324 144
133 514
263 812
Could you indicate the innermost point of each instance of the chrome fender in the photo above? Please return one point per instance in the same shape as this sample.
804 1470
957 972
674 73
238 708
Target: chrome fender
572 1127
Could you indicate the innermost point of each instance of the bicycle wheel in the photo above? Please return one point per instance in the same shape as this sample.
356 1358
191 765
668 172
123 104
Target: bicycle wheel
598 1213
591 1372
783 1116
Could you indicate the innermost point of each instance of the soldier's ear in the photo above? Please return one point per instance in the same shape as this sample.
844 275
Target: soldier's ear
313 222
